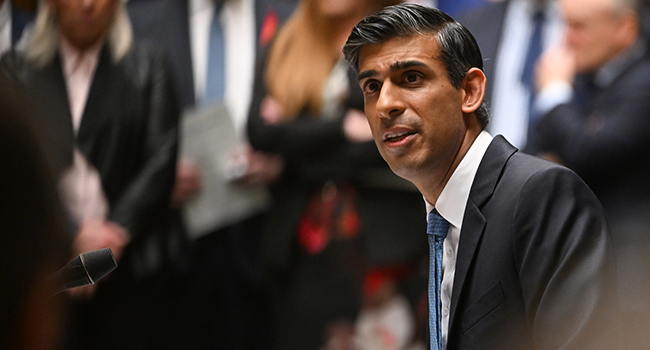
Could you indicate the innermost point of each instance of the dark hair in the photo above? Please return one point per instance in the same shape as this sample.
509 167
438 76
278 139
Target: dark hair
458 49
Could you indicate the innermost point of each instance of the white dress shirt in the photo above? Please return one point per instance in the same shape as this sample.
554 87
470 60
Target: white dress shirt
509 102
451 206
81 185
5 27
238 23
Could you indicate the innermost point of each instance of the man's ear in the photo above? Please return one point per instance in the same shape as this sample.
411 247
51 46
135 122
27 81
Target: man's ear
473 90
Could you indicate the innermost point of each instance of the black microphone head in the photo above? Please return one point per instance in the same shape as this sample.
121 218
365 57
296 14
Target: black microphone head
98 263
84 269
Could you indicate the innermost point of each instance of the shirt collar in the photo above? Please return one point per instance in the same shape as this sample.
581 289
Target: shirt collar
453 198
73 57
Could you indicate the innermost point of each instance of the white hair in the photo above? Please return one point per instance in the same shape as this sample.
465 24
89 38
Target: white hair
43 42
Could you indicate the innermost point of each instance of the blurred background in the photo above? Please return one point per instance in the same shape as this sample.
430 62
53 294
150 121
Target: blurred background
220 149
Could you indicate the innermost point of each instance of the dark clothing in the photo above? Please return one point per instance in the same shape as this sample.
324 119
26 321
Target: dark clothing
220 304
604 135
535 266
166 22
19 20
316 152
312 291
129 133
486 24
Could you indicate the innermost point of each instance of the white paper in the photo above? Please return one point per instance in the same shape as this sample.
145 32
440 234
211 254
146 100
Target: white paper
209 139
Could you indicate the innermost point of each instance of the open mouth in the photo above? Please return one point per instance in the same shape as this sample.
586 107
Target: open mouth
393 137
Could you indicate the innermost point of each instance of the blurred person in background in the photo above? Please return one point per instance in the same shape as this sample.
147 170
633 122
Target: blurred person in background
336 205
502 29
113 111
595 90
34 240
219 302
456 7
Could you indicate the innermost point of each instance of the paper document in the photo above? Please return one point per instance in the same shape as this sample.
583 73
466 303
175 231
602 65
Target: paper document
209 139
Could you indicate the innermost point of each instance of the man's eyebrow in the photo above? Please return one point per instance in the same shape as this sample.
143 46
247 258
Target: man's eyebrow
393 67
367 74
405 64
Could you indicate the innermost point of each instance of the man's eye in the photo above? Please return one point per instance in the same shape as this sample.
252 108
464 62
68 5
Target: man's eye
412 77
371 87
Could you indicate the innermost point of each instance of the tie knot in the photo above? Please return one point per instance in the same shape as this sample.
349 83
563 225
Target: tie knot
437 225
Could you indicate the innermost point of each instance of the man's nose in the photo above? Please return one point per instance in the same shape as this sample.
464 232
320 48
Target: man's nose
389 103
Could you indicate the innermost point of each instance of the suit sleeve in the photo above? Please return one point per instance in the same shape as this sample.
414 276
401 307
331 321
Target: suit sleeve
565 261
149 192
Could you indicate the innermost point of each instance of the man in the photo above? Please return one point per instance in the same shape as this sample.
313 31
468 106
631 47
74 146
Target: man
113 122
527 262
219 301
596 92
502 29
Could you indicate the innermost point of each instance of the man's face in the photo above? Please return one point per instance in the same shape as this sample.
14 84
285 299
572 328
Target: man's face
593 32
84 22
413 110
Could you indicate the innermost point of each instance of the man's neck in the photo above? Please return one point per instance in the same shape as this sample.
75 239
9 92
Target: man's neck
432 187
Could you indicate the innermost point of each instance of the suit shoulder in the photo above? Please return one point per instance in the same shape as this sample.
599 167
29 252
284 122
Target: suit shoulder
546 181
145 57
528 166
535 177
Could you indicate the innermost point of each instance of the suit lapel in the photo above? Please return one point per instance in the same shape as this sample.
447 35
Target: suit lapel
485 182
180 52
100 89
109 100
57 121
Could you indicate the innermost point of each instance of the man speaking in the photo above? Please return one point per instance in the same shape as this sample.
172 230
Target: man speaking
520 253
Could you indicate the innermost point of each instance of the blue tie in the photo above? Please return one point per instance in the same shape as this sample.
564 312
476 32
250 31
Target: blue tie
437 228
215 82
533 53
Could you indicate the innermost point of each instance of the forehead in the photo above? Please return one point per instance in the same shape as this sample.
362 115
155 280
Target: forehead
380 56
585 9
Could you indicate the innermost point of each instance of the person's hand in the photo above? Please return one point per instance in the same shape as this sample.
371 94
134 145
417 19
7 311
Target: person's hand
356 127
261 168
97 234
188 182
271 110
557 64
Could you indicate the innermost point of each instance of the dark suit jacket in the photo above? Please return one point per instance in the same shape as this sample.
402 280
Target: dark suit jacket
166 23
535 265
607 142
128 131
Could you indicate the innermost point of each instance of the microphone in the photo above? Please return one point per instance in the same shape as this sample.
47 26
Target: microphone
86 268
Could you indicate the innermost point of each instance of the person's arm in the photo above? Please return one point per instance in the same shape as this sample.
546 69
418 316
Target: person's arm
305 135
565 259
150 190
612 135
